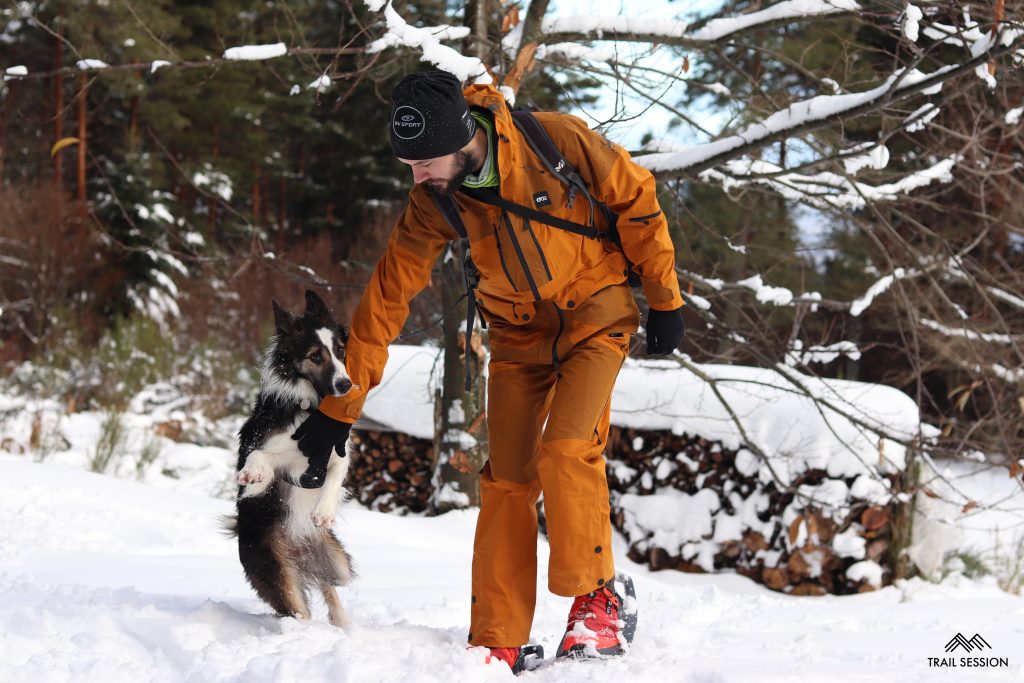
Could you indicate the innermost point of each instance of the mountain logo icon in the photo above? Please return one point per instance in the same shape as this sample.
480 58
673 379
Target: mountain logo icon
975 643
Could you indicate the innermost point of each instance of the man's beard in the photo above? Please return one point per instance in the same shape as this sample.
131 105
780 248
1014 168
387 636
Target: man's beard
465 165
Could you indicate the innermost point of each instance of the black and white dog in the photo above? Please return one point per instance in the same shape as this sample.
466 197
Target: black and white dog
285 537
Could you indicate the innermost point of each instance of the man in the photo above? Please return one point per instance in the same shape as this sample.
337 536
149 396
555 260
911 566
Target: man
561 317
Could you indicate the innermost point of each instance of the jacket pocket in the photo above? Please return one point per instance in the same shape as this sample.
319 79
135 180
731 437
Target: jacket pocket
528 253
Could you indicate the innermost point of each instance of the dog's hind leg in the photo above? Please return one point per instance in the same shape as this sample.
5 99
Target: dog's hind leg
294 599
335 612
329 565
274 576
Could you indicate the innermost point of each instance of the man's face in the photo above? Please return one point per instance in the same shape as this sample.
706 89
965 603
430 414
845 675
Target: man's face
442 174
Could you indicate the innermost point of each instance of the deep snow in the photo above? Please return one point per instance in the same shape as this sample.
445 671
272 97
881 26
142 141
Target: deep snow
104 579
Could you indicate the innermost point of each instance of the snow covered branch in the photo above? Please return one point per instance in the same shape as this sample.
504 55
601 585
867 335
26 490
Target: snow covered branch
428 41
664 31
814 114
829 190
231 56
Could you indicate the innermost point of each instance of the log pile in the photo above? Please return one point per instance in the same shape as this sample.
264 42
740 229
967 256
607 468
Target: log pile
391 472
753 526
766 532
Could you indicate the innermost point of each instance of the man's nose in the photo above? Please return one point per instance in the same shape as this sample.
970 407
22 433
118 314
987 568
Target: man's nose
420 174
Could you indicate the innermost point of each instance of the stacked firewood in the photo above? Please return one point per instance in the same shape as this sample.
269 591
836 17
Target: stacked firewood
769 533
756 527
391 472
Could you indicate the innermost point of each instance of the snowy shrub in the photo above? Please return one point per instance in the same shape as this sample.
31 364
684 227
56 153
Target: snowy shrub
111 442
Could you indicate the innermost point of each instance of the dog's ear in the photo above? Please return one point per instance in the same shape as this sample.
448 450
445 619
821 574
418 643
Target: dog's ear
284 322
316 308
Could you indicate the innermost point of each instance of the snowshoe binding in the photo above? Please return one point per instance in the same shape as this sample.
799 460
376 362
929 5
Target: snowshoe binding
519 659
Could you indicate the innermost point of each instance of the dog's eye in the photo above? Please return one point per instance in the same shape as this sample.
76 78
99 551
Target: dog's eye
316 357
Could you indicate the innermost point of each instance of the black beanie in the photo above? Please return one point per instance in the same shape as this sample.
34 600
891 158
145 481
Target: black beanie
430 117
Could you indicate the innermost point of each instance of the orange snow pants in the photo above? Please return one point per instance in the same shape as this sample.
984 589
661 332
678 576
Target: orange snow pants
547 427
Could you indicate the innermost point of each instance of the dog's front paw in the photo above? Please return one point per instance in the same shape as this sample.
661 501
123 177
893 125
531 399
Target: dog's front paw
255 471
251 475
323 515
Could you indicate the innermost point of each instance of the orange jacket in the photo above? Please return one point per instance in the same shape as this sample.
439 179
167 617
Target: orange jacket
520 261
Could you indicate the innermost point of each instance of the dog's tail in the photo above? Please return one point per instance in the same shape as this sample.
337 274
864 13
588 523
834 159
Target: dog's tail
229 525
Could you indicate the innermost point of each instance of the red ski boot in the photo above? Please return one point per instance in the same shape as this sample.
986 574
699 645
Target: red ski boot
601 623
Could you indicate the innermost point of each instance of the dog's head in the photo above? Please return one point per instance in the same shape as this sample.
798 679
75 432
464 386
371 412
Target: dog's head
307 358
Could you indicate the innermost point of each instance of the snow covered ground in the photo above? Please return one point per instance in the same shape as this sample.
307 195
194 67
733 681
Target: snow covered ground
129 578
104 579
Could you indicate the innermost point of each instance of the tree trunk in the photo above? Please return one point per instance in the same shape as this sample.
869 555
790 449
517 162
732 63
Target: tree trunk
477 18
58 110
82 145
903 523
531 25
211 227
460 434
281 199
257 204
133 120
460 416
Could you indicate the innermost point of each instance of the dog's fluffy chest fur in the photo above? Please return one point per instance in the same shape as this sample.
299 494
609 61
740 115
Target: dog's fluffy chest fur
279 458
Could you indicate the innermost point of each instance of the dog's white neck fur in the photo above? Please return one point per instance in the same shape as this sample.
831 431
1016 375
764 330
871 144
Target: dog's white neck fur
299 391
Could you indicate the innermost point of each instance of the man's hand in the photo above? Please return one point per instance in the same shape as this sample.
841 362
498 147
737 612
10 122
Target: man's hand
664 331
317 437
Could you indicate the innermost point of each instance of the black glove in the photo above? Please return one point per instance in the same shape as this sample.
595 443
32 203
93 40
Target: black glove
664 331
317 437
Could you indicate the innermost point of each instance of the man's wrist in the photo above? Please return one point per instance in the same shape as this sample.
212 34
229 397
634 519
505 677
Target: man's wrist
345 408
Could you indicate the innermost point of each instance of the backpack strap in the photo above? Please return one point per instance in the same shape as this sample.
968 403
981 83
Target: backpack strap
544 147
495 199
470 275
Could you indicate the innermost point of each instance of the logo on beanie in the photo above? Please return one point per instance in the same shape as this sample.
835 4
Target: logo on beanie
408 123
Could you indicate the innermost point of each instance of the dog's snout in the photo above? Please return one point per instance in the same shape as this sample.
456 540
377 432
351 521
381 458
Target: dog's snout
342 386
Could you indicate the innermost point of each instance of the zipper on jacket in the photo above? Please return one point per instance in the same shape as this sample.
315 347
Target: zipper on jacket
533 236
522 259
644 219
554 343
501 258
